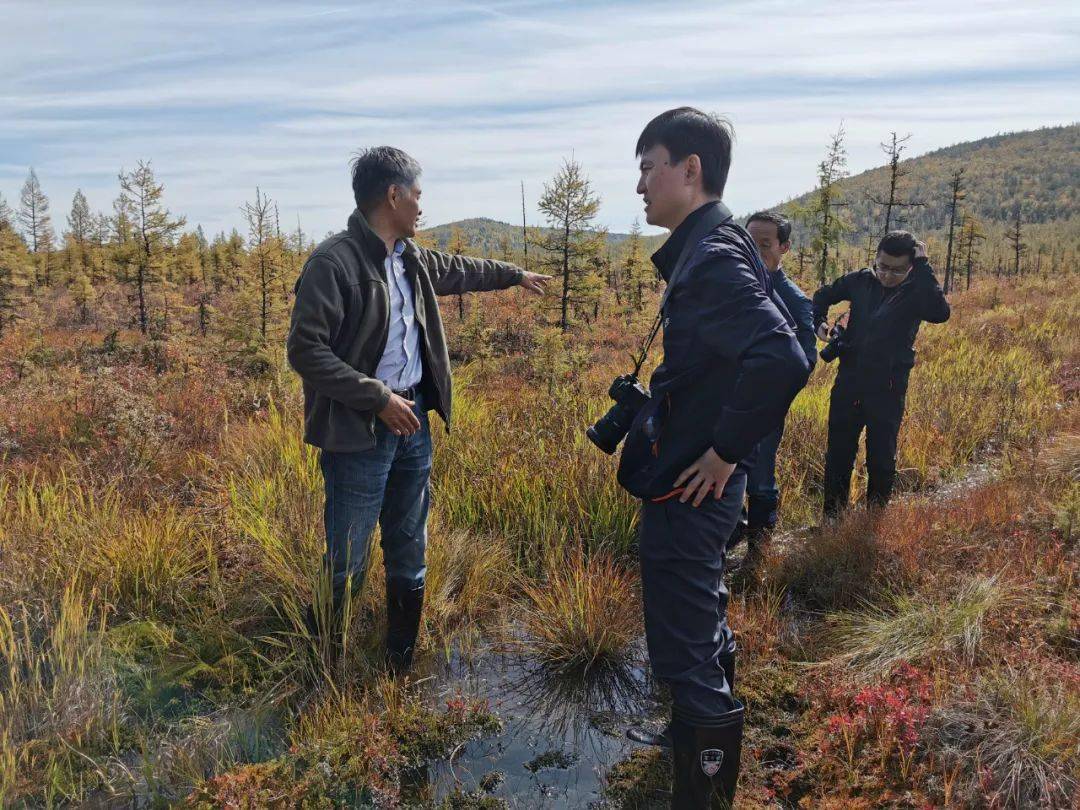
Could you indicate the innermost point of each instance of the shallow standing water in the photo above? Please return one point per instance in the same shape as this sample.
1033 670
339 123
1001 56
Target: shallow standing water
560 735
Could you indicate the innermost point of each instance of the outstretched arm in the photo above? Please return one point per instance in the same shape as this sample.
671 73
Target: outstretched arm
451 274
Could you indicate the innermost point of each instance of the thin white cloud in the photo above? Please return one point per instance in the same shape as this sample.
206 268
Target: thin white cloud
223 98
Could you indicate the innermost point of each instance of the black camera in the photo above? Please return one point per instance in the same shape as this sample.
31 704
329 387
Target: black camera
835 346
611 428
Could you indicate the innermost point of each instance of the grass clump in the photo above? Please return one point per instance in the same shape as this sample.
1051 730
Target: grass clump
586 614
912 627
643 779
1014 738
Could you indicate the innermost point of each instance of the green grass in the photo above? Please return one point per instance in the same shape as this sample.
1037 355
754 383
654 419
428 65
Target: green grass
911 626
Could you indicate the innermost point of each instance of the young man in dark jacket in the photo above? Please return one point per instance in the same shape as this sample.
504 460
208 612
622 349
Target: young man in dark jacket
877 352
731 367
367 340
771 233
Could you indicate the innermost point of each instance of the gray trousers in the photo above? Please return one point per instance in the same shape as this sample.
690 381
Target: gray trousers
682 564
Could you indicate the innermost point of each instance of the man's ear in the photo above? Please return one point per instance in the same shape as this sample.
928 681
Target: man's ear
393 196
785 247
692 172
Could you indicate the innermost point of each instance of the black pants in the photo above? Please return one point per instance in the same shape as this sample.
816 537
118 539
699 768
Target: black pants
880 411
685 600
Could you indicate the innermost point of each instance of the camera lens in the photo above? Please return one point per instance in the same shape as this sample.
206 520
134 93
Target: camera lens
611 428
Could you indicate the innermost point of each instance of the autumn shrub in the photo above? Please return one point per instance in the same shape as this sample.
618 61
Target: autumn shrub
883 722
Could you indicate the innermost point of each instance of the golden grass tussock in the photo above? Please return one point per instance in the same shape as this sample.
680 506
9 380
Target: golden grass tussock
584 613
909 626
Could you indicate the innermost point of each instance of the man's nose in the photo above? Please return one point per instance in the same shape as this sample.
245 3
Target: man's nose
641 186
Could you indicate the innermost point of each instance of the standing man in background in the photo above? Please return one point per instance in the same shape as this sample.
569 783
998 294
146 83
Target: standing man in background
367 340
772 234
877 351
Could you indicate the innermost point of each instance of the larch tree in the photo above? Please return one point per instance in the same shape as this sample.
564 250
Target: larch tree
80 224
971 234
264 254
153 228
826 223
1015 237
636 269
570 206
14 263
894 200
956 187
36 223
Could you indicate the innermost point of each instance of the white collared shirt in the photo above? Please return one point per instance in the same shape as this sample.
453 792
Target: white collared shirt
401 365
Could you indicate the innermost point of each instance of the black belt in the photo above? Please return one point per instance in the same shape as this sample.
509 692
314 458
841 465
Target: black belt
407 393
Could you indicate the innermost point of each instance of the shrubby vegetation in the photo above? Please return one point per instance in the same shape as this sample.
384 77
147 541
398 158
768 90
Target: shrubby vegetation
161 531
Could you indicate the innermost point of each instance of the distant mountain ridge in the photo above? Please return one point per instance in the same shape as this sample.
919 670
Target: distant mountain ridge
1037 169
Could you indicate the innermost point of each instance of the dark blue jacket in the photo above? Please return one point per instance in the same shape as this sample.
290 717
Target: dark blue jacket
801 310
731 366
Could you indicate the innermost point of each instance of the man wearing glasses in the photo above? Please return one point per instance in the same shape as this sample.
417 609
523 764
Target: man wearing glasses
877 352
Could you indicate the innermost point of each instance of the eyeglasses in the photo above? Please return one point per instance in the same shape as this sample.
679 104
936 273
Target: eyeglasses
891 271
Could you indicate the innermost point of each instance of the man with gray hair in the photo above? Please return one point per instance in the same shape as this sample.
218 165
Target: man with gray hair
367 340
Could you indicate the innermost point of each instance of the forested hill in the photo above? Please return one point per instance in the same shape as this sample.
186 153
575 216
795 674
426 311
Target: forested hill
1038 170
491 237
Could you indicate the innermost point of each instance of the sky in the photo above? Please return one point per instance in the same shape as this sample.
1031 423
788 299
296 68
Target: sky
222 97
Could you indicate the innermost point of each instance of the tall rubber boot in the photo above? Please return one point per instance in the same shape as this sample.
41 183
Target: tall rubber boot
662 739
745 574
403 610
738 534
706 754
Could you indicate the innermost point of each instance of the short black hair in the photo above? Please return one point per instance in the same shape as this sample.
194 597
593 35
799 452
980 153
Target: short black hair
782 223
898 243
687 131
374 170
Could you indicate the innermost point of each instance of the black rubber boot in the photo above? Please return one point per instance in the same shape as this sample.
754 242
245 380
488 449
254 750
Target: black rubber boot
662 739
738 534
706 754
745 573
403 610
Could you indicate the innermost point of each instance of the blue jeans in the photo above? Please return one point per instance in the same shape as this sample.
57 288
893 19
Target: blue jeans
387 484
762 492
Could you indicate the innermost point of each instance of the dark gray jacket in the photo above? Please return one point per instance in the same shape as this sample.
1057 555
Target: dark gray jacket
340 322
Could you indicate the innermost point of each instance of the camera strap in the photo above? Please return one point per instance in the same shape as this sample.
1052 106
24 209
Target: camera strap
712 217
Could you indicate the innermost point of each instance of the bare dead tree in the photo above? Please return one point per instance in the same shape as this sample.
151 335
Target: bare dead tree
894 147
956 185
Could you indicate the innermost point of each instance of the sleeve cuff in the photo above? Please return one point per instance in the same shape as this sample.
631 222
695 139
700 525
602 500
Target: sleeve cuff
729 454
383 399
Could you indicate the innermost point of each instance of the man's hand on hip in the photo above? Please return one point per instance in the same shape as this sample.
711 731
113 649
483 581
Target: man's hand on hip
710 472
399 417
534 282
